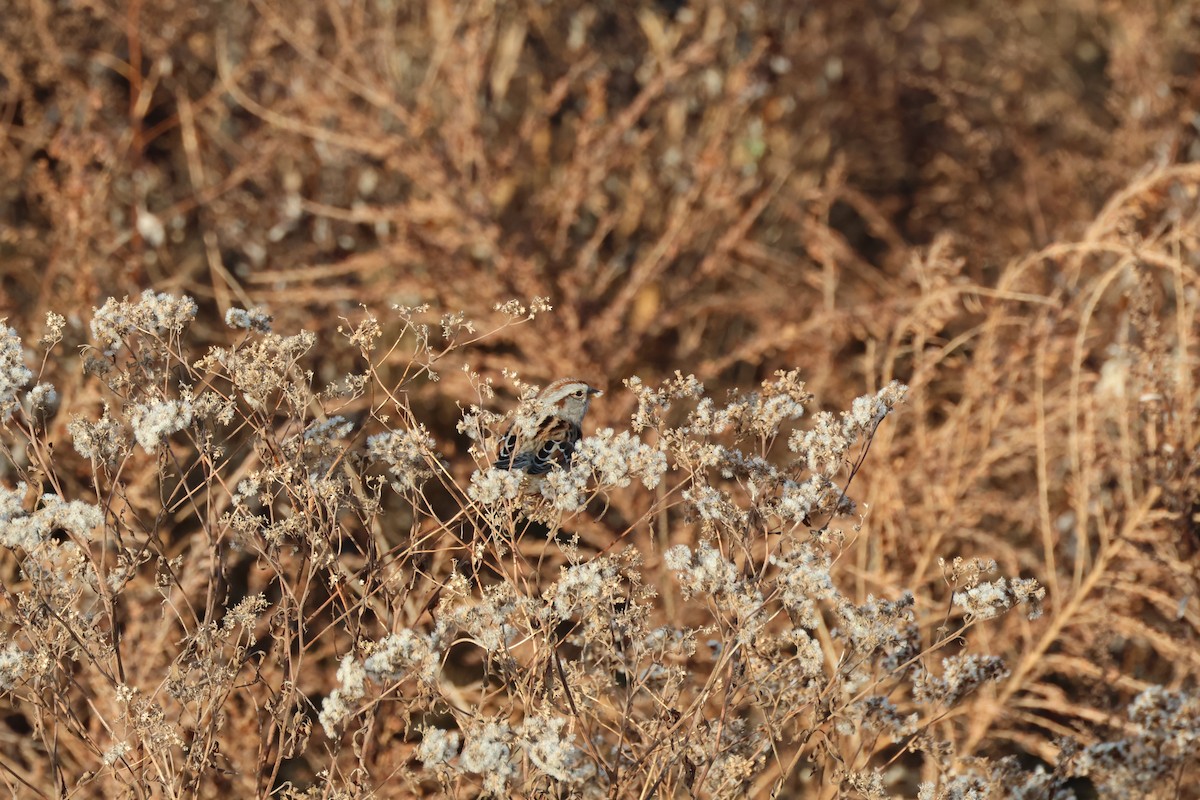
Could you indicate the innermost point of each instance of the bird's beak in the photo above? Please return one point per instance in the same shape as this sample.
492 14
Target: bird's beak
595 392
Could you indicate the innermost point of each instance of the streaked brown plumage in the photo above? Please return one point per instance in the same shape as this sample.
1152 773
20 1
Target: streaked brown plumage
553 440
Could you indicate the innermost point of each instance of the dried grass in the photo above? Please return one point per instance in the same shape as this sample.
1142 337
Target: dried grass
995 204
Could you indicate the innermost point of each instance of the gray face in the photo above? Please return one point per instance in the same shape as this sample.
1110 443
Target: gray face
574 406
571 401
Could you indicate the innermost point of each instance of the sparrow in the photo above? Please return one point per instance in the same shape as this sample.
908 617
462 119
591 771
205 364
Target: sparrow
537 449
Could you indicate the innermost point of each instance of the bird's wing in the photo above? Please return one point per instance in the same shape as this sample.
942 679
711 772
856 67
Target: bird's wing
504 457
558 439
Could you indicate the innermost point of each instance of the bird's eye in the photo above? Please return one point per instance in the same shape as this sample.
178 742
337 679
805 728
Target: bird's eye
579 393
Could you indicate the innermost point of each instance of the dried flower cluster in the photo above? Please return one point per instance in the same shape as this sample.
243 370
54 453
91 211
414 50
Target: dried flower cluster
219 493
595 685
710 665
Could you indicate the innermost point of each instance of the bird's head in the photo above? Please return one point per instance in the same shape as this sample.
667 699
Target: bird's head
568 398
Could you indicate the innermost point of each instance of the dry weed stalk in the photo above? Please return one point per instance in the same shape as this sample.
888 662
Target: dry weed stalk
955 196
486 646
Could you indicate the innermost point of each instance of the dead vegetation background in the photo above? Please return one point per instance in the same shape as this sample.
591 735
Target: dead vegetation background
994 202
